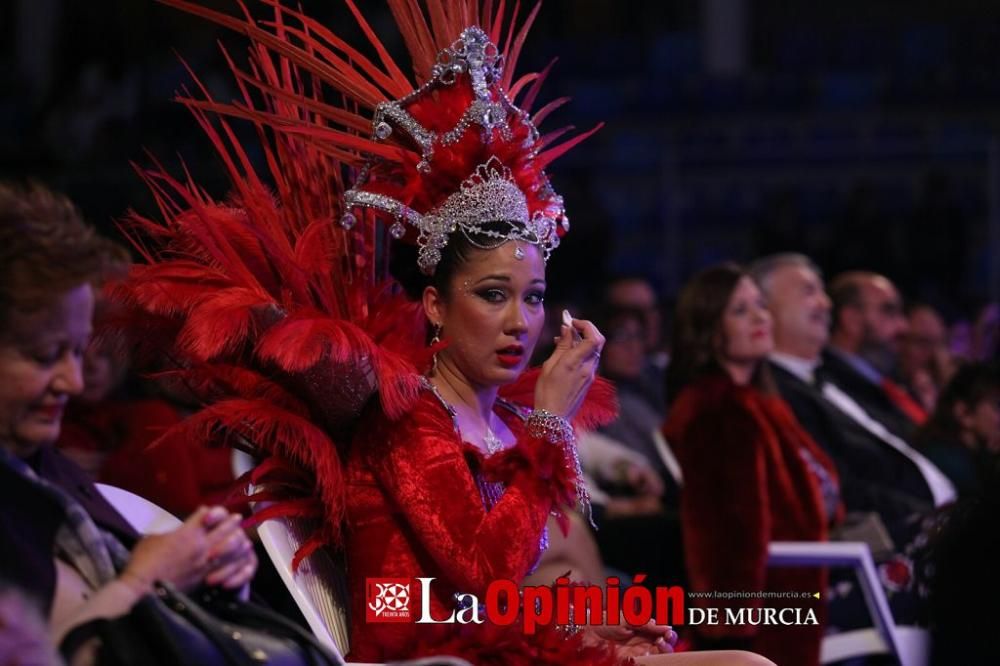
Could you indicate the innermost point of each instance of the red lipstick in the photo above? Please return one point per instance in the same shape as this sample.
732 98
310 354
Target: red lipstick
510 356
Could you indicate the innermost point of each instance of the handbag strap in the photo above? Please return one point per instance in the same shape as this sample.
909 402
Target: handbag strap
215 608
265 618
203 621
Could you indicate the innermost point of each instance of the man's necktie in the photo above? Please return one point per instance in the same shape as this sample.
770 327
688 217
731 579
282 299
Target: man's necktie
899 397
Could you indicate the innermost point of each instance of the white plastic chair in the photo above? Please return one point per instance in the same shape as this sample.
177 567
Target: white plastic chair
910 645
319 587
144 516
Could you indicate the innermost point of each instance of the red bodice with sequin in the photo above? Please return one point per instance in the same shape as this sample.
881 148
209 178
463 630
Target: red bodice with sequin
414 509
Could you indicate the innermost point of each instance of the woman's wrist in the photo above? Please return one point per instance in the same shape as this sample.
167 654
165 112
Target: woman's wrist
543 424
136 582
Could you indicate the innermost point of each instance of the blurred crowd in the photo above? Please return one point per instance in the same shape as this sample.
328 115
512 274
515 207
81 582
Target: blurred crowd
771 404
781 405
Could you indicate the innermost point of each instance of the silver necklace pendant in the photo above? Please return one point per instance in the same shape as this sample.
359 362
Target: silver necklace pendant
492 442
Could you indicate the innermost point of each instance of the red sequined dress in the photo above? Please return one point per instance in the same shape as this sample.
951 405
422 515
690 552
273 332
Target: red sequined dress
423 503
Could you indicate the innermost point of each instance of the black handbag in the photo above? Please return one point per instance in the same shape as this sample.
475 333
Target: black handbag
210 629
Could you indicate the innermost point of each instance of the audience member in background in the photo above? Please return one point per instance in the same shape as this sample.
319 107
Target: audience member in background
64 546
640 527
637 293
925 363
985 335
879 471
868 326
108 431
962 435
752 474
624 361
976 337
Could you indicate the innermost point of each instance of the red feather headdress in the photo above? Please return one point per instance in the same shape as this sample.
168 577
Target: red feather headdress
274 307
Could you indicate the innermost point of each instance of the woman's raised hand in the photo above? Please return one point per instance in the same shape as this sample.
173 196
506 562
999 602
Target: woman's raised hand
569 371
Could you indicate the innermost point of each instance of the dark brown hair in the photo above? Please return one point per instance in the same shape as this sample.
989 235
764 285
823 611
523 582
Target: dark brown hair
46 249
972 384
845 292
697 331
403 260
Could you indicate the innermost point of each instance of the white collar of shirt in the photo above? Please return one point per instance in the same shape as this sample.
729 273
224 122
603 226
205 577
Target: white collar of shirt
802 368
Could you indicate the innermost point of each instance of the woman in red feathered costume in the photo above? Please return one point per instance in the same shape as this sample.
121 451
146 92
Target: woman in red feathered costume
752 475
460 487
409 427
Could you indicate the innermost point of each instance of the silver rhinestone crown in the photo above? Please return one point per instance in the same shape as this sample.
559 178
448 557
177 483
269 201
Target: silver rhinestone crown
489 208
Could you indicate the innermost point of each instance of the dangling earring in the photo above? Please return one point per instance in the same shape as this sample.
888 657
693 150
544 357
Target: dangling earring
435 340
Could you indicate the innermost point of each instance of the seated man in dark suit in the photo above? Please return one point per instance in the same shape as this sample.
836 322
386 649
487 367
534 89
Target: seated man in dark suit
878 470
868 327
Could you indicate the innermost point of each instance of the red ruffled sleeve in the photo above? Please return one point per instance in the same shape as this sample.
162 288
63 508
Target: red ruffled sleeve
422 466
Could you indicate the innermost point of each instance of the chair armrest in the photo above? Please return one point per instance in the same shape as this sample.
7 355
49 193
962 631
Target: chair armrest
818 553
141 514
855 554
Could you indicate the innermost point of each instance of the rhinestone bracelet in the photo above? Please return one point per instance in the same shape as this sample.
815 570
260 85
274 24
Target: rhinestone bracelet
554 429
